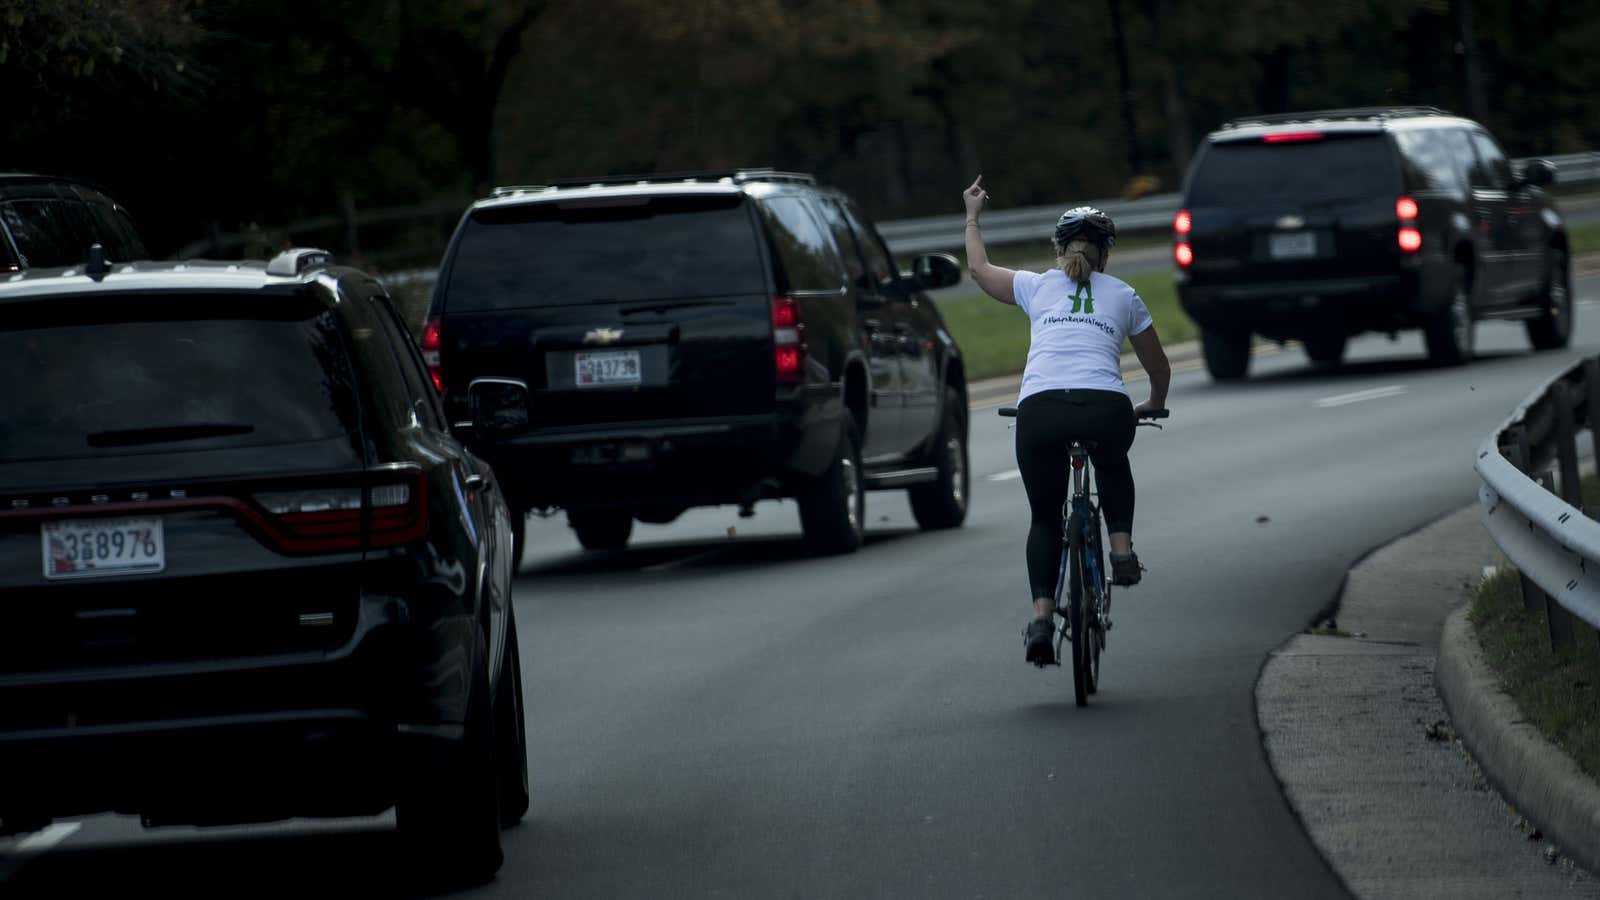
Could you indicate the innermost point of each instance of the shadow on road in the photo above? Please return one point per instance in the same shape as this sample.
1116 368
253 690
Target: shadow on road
654 559
362 863
1362 369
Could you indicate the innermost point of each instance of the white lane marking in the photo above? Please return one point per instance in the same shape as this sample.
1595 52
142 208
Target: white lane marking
1392 390
40 841
1010 475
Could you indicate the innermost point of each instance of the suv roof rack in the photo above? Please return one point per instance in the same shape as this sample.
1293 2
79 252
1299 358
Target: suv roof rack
737 176
1325 115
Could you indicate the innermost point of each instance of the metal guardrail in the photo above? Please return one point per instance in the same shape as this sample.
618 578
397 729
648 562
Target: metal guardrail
1549 538
1034 223
1146 213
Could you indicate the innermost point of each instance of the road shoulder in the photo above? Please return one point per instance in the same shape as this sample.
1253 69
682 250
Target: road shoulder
1360 739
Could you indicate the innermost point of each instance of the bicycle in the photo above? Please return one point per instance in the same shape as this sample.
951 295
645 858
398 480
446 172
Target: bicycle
1083 575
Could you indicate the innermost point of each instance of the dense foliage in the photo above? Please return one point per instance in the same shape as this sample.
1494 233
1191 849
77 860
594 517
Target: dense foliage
231 116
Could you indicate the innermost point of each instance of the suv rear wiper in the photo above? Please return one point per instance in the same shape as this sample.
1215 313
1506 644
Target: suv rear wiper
167 434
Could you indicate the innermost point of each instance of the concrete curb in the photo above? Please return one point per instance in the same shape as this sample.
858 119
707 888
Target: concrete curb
1544 783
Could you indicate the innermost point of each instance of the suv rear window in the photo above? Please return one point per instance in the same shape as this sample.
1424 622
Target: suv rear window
611 250
1256 173
87 379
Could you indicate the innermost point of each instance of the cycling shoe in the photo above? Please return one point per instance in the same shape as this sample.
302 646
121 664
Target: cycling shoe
1041 648
1125 570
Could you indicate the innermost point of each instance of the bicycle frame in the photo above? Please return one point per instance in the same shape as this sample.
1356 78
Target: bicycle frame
1081 501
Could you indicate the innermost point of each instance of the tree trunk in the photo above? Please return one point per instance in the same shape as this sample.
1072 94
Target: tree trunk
1120 41
1472 65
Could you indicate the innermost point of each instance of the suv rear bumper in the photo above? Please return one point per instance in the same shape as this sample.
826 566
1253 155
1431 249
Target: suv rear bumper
217 741
1292 309
677 463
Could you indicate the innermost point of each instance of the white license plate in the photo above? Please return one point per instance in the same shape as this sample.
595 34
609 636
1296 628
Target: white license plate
600 369
1295 245
97 548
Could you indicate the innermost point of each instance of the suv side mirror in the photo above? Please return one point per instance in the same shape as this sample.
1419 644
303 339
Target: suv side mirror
499 405
935 270
1538 173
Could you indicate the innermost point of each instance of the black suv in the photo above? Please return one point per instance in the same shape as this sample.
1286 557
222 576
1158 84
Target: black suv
627 348
1320 225
248 574
46 222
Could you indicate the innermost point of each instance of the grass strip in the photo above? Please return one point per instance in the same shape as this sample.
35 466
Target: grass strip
1557 691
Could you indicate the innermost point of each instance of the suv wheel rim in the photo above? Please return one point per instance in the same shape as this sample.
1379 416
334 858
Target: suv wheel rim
852 486
958 471
1560 297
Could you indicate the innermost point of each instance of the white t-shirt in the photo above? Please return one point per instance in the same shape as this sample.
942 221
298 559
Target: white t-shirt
1078 330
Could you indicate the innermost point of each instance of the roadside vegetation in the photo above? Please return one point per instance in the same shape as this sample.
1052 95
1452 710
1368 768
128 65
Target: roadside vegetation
1557 691
1584 238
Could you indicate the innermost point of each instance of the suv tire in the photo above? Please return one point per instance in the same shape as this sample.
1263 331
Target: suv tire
1326 349
449 810
1449 331
1227 353
601 529
833 508
943 503
1553 330
511 731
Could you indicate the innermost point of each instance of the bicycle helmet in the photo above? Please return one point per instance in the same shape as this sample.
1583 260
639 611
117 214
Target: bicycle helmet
1086 222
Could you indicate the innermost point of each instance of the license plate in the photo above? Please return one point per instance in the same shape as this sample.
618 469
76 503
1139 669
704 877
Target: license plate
97 548
600 369
1295 245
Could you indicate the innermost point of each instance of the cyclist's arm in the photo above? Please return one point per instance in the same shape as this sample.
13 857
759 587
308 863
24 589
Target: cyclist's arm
1153 359
995 281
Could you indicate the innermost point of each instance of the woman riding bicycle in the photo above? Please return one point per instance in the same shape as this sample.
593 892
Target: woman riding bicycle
1072 390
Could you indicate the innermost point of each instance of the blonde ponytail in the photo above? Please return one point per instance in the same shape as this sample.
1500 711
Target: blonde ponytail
1078 259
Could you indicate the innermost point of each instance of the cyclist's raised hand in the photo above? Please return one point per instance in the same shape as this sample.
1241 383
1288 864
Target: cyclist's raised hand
975 197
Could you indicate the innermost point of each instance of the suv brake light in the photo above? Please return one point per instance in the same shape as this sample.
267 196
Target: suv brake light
1183 254
1289 137
1182 223
430 343
1405 208
788 340
328 518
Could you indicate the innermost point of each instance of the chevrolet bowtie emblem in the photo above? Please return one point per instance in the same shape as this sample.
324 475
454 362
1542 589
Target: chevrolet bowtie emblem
1291 222
603 336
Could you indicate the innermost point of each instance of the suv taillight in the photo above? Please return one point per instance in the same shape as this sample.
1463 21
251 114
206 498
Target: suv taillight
788 340
430 344
1410 238
325 518
1182 253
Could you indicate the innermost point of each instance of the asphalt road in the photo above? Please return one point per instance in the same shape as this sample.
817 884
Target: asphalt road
713 713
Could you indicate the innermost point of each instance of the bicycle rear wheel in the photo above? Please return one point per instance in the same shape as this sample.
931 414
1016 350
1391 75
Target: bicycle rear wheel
1096 595
1076 621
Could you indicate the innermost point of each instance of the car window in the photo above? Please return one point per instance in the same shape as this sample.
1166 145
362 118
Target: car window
1255 174
1493 171
809 259
855 264
1436 159
44 238
423 398
879 263
110 234
614 249
107 377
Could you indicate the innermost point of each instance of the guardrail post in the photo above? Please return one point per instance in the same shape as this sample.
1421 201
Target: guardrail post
1516 452
1591 378
1557 620
1566 443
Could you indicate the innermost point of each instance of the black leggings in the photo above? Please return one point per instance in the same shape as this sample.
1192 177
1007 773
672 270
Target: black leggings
1046 422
